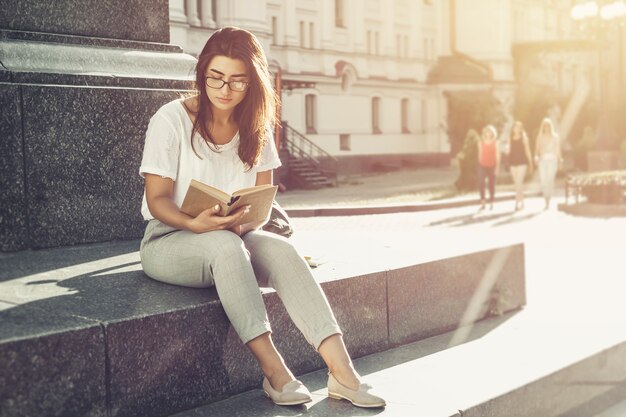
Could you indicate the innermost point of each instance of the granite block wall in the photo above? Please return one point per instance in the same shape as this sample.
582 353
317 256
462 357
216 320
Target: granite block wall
83 149
69 162
51 364
434 297
129 19
13 209
79 83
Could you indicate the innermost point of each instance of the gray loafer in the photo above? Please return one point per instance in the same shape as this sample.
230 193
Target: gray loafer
293 393
363 397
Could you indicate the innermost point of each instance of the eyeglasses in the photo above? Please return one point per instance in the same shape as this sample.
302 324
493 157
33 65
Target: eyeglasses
233 85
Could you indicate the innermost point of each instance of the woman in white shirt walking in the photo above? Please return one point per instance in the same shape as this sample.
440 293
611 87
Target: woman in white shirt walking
548 157
222 137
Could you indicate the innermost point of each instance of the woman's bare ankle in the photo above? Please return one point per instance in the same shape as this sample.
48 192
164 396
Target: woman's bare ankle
279 377
347 375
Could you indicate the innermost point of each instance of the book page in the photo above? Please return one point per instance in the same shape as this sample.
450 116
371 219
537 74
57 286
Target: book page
216 192
260 201
201 196
252 189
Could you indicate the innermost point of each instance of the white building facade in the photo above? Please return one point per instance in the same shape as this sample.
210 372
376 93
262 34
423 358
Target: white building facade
355 73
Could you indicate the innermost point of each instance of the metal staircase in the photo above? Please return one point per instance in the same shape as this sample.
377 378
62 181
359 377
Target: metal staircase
308 166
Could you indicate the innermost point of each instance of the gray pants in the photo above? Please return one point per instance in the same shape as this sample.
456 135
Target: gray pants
233 265
548 166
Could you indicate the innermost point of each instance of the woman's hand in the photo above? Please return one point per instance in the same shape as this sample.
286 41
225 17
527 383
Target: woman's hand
208 220
242 229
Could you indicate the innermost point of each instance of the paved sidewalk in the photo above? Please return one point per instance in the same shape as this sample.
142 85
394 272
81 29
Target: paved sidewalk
404 187
575 289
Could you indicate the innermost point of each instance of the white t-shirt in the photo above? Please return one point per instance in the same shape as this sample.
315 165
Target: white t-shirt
167 152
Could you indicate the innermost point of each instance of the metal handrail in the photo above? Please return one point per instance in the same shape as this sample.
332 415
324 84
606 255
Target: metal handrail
297 144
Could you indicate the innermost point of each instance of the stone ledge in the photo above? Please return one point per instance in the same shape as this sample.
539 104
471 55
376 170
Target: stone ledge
86 40
30 59
128 20
165 348
582 388
594 209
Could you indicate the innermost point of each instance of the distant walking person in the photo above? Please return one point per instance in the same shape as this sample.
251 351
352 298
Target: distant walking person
488 163
548 156
519 161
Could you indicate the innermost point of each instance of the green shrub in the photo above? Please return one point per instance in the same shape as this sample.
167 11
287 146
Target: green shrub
586 142
471 110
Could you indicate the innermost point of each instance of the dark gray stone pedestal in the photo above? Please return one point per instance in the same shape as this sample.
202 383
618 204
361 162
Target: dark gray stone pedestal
83 331
78 84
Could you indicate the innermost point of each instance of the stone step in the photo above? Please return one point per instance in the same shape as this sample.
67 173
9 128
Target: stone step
303 168
85 332
308 173
296 162
502 366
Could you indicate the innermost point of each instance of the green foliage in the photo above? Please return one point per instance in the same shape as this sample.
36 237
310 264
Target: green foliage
531 105
587 141
471 110
468 162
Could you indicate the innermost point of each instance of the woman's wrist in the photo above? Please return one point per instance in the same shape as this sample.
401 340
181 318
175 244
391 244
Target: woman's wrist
187 224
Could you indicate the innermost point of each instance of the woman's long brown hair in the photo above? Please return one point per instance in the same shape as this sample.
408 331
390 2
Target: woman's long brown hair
512 133
255 114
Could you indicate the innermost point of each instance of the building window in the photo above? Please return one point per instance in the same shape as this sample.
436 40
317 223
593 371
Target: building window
406 46
402 45
344 142
376 115
345 81
369 41
424 117
302 34
311 35
398 46
404 112
377 43
433 52
339 22
274 30
310 105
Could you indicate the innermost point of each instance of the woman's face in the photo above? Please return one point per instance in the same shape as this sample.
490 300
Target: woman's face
517 129
546 128
233 71
487 134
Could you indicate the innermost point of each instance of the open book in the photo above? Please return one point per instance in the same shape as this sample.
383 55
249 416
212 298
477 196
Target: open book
201 196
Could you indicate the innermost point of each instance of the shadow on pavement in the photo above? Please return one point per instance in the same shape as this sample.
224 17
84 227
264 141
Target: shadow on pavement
412 351
467 219
516 219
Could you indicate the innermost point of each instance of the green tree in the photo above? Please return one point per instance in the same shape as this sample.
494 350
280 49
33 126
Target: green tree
471 110
468 162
